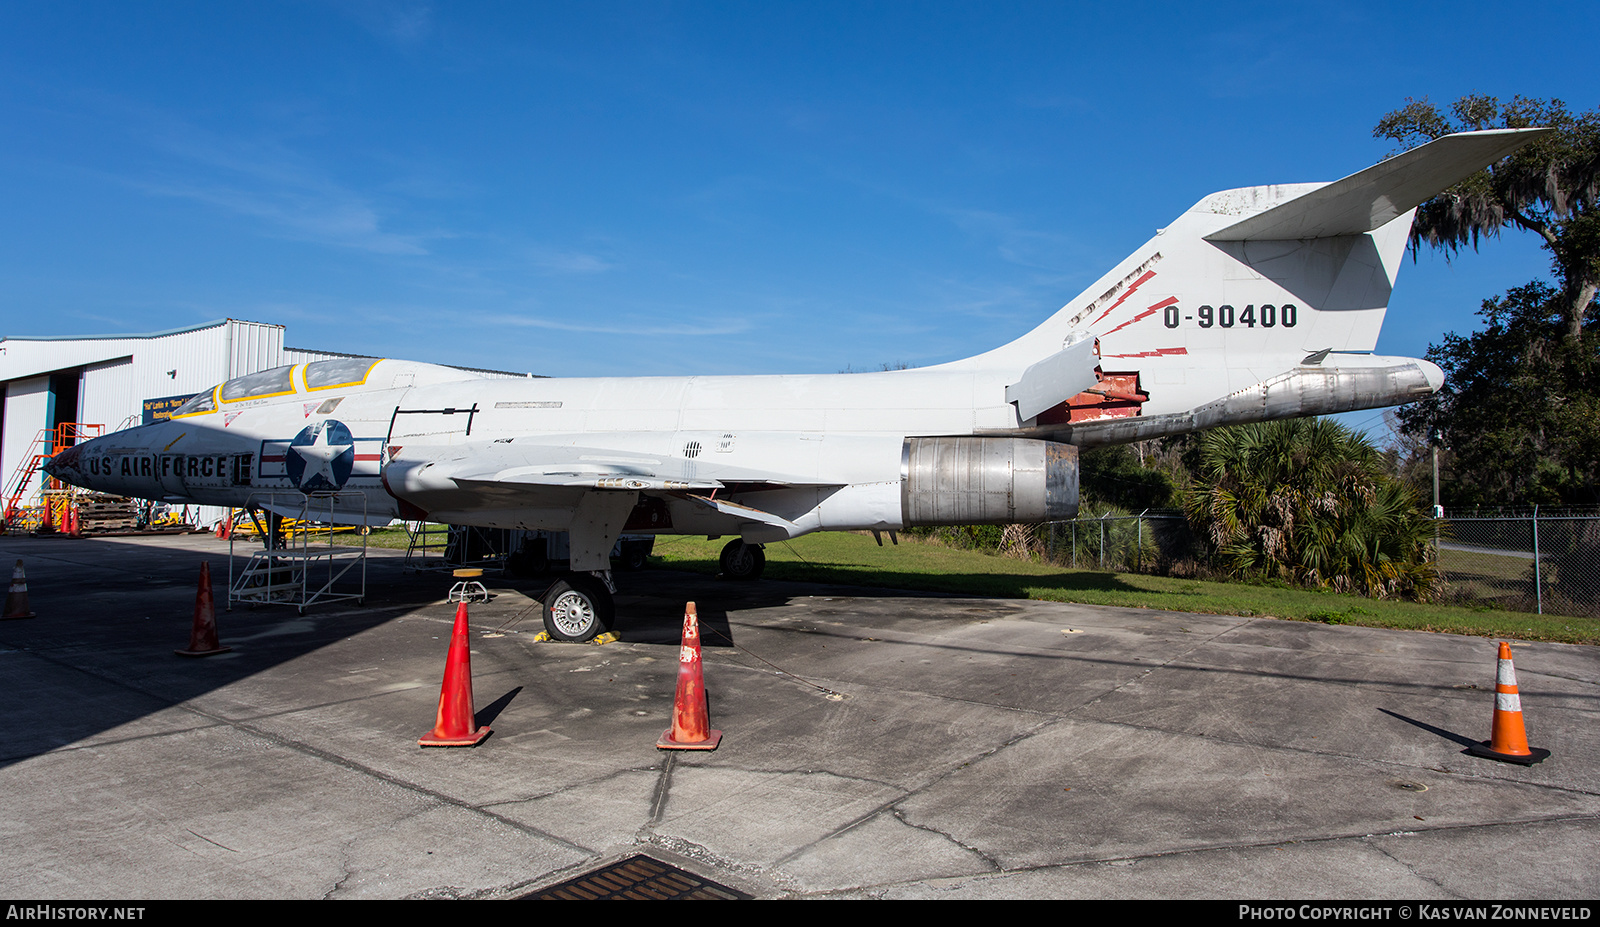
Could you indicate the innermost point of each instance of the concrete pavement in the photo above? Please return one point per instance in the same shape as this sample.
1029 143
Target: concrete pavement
877 744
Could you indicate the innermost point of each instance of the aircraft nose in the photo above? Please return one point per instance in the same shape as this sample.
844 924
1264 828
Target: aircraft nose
64 462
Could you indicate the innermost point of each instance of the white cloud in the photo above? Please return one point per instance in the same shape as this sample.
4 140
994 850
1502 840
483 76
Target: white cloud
265 180
404 24
690 328
568 262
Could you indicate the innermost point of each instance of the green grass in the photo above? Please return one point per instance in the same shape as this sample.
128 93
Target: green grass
1493 579
854 559
392 538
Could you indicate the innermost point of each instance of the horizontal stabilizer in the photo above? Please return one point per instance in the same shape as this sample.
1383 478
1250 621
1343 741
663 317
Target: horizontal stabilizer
1372 198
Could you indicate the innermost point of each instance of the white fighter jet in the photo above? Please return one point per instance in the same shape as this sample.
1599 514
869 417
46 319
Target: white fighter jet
1256 304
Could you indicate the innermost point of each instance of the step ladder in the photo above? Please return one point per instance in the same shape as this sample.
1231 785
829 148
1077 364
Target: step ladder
46 444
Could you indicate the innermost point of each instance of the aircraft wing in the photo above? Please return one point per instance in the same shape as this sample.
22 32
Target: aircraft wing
539 482
533 464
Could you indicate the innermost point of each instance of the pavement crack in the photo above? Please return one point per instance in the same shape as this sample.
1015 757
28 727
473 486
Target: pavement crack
338 886
210 841
1375 844
658 797
396 781
988 860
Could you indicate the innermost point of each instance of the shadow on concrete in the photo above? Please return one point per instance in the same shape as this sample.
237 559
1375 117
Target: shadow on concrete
969 585
112 610
1447 735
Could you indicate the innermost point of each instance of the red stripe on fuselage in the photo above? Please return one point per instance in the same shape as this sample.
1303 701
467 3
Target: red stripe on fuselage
1136 284
1144 315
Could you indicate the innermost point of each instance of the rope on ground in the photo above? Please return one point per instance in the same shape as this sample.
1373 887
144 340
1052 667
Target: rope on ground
830 693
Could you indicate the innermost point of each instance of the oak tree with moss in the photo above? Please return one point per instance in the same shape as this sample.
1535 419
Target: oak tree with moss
1519 413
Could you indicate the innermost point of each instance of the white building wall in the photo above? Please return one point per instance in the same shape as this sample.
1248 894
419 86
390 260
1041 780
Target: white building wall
253 346
26 413
103 393
308 355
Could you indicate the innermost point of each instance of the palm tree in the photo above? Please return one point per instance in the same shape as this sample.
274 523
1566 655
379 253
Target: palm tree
1308 500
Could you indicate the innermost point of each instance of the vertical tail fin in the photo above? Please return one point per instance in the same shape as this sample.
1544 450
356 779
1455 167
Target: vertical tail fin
1245 287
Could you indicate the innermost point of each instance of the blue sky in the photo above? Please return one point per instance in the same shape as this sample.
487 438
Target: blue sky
610 188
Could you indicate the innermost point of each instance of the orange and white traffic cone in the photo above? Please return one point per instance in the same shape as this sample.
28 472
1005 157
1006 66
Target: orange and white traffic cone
17 596
691 717
454 725
203 633
1508 739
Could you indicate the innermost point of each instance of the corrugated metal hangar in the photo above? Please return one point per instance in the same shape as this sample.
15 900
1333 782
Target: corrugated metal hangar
119 380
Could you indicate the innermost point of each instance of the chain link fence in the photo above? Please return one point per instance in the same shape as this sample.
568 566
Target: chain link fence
1544 560
1156 541
1520 559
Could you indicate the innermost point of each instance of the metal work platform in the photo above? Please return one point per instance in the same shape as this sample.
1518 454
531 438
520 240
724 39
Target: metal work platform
291 570
441 548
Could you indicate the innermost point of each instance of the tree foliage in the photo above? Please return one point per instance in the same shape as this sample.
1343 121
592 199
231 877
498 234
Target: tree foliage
1309 500
1549 187
1520 406
1518 411
1114 475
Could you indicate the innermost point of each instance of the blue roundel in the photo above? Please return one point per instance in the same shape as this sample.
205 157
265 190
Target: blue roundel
321 457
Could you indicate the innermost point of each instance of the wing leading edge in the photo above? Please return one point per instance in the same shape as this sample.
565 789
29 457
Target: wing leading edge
1369 199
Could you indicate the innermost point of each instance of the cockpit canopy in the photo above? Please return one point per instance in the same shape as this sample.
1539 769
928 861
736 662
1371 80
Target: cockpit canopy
280 381
338 373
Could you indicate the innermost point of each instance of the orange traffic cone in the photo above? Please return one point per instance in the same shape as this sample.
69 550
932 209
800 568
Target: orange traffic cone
17 597
691 718
203 634
456 714
1508 739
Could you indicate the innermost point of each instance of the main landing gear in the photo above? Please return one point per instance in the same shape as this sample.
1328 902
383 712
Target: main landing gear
742 561
579 607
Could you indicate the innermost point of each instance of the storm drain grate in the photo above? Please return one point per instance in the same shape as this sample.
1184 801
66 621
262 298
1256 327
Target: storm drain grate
638 878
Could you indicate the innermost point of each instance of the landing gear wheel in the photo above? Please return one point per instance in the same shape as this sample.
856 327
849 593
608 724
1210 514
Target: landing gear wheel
529 560
743 561
634 557
578 608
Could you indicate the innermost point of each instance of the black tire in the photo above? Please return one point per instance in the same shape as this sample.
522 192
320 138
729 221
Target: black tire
742 561
530 560
634 557
578 608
